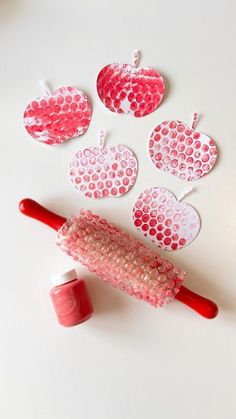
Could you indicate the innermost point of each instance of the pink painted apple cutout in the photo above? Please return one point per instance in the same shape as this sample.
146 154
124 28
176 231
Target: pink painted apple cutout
165 220
59 116
129 89
181 151
99 172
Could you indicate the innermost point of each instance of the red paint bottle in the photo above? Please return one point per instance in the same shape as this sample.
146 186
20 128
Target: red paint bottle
70 299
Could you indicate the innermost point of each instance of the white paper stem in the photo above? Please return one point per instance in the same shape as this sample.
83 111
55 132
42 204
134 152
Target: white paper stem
195 120
44 87
136 57
186 192
101 138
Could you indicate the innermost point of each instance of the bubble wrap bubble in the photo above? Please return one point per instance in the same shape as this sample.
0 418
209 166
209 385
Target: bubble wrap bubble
120 259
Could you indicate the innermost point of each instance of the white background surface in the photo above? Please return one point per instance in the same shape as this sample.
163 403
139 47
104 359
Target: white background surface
129 361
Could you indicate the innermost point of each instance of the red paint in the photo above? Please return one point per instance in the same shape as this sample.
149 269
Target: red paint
50 120
201 305
91 166
173 216
71 301
126 89
173 156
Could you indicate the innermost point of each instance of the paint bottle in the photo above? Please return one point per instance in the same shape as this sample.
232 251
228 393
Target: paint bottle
70 299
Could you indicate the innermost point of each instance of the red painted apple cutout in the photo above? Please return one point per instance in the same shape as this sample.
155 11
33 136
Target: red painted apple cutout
168 222
125 88
56 117
99 172
181 151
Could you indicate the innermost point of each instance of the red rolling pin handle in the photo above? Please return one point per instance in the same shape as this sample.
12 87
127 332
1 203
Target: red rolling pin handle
34 210
201 305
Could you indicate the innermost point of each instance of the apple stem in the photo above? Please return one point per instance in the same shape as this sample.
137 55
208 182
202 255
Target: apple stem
101 138
45 87
195 120
186 192
136 58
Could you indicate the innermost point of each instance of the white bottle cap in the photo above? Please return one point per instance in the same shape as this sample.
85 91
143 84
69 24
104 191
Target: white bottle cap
64 277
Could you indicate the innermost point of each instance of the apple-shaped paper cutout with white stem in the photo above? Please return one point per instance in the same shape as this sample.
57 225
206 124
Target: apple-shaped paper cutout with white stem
181 151
129 89
56 117
99 172
170 223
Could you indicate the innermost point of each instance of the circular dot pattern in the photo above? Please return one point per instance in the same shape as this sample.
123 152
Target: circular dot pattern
127 89
182 152
102 172
55 118
167 222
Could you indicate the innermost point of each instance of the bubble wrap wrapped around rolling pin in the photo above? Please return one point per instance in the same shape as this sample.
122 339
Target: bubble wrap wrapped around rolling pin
119 258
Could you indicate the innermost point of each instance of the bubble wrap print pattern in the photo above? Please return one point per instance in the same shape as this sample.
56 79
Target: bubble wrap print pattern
120 259
181 151
102 172
170 224
124 88
57 117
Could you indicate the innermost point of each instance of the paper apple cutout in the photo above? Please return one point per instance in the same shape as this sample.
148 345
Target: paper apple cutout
99 172
59 116
169 223
125 88
181 151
